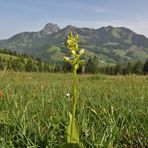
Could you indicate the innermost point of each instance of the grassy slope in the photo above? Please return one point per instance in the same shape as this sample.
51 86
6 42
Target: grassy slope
111 110
7 56
13 57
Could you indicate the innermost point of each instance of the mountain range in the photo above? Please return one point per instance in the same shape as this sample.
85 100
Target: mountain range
109 44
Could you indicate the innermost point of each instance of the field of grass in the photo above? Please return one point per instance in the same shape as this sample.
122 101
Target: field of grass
111 111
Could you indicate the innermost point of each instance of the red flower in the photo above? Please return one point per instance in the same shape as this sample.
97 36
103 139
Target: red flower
1 93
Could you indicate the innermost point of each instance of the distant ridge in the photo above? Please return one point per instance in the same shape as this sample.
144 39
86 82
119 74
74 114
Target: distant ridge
109 44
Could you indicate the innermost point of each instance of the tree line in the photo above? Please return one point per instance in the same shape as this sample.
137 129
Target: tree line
92 65
22 62
139 67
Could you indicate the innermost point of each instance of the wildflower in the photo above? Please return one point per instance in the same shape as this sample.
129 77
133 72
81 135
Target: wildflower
72 42
67 98
1 93
75 55
86 132
74 59
67 95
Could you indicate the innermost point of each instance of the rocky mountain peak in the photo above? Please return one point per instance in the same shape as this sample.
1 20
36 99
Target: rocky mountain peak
50 28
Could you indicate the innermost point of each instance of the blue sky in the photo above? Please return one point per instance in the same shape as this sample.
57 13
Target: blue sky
32 15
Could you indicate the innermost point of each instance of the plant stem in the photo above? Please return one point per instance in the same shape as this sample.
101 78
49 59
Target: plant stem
74 101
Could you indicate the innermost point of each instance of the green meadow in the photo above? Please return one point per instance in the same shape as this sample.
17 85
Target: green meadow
112 111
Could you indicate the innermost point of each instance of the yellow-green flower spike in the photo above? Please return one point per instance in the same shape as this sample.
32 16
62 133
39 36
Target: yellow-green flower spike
71 43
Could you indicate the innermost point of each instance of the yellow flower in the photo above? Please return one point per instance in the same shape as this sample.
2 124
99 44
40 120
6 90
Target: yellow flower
71 43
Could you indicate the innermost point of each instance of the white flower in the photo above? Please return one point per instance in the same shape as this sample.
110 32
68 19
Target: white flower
67 95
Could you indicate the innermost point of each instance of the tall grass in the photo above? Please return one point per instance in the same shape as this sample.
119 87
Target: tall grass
112 111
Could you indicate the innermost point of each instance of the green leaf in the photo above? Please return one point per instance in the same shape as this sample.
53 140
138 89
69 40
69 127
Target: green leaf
72 137
71 145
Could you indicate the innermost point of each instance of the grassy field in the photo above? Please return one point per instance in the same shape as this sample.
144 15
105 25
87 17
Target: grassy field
111 111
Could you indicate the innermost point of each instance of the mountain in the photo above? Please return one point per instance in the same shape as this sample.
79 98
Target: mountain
109 44
26 41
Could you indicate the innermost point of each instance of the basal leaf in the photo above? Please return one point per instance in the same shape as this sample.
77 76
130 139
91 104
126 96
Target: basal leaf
72 137
71 145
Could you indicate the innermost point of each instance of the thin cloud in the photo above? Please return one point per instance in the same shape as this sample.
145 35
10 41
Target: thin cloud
102 10
98 10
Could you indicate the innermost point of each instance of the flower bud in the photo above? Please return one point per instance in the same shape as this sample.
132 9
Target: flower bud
73 52
81 51
66 59
82 62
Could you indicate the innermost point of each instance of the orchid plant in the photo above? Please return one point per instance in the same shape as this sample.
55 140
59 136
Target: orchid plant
74 59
